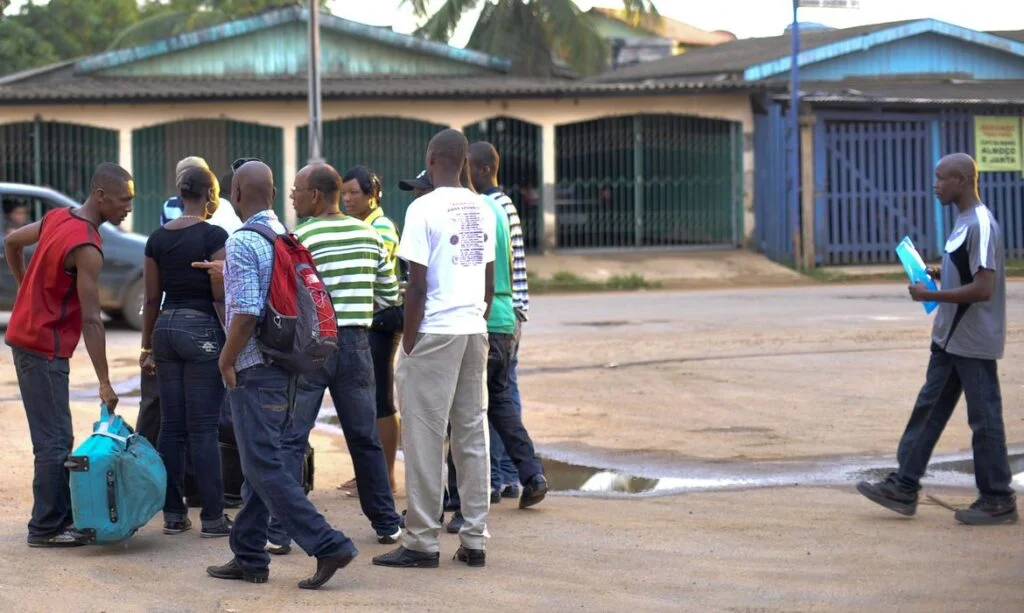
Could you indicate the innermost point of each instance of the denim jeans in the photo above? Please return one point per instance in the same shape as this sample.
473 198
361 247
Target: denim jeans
44 392
503 469
949 376
186 346
261 412
348 375
383 348
504 414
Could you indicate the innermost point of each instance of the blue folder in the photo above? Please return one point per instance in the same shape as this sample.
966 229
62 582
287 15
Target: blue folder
914 266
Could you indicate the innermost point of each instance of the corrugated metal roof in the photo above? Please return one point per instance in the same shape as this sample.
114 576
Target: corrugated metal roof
913 92
760 58
99 89
276 17
735 57
1017 35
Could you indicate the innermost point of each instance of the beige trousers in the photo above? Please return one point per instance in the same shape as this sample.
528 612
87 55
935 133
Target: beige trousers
442 381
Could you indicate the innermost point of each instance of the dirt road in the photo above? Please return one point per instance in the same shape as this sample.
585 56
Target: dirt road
657 382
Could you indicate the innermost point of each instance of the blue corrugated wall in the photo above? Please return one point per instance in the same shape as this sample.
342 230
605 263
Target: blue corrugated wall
873 184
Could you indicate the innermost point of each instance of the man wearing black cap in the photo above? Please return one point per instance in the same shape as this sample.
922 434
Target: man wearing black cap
418 186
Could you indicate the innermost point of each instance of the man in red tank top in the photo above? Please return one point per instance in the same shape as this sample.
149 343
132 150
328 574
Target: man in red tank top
58 303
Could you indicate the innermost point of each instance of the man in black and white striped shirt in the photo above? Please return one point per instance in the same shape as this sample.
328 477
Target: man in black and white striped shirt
485 161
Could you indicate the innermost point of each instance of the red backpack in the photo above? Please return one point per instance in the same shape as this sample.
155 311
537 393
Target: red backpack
298 329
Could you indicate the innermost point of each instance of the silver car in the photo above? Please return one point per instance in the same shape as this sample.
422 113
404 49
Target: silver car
121 287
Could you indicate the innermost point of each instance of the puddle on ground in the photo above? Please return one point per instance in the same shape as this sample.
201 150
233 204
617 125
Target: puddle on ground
590 475
585 476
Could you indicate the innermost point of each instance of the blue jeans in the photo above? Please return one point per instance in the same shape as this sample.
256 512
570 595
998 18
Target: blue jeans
44 392
348 375
186 345
503 469
948 377
261 412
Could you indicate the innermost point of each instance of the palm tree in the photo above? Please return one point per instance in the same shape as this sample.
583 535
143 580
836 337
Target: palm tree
534 34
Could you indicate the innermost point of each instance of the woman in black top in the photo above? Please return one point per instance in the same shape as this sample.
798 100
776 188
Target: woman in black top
183 346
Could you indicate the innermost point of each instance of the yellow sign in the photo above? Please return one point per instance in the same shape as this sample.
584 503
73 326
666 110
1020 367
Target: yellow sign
997 143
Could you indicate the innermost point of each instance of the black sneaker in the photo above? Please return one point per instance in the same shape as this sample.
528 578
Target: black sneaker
407 558
989 512
389 539
495 496
278 550
233 572
177 526
456 523
890 496
534 491
224 529
510 491
472 557
65 538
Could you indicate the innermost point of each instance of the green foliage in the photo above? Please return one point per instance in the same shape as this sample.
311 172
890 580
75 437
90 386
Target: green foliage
21 48
165 19
41 34
530 33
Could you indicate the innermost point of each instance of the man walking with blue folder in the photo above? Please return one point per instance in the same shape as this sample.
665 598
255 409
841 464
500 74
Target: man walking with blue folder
968 336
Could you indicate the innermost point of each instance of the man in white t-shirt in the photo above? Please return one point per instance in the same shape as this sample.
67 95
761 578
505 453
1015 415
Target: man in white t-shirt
223 214
448 241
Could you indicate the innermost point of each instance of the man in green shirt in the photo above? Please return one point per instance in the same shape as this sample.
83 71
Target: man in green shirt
502 333
356 268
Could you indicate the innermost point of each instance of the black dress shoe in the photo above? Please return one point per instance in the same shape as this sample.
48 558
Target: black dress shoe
407 558
233 572
278 550
472 557
326 567
534 491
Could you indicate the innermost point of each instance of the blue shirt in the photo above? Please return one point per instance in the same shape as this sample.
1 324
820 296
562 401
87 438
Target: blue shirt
247 269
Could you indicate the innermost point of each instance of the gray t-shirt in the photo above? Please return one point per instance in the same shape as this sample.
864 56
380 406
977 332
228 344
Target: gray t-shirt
973 330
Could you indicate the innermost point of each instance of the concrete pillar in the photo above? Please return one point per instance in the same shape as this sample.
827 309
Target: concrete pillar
549 237
807 253
290 168
124 160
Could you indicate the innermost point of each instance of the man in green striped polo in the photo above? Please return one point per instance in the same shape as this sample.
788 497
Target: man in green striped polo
354 264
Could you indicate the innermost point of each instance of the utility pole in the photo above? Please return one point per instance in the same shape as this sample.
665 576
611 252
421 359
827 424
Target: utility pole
315 128
793 204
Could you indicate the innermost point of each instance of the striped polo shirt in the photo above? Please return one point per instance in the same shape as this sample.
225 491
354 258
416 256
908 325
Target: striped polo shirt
354 263
388 233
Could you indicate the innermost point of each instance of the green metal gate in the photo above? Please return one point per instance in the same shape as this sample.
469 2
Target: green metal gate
649 181
519 145
157 149
63 156
394 147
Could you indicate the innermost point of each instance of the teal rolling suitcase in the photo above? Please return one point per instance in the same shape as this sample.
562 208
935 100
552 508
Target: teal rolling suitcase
118 481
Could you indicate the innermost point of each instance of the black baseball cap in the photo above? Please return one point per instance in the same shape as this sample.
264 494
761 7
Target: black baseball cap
420 182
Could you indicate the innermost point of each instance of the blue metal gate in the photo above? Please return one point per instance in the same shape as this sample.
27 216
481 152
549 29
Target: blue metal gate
877 188
775 208
1003 192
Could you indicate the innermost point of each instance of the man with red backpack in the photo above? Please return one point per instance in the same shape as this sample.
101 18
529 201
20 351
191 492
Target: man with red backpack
261 387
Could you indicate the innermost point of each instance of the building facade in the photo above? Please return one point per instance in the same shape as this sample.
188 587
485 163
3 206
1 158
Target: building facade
591 165
880 105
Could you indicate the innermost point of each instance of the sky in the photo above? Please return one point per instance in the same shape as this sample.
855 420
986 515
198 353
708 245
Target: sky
744 18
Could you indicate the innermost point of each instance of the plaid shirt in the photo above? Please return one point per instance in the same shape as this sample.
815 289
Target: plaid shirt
520 287
247 269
